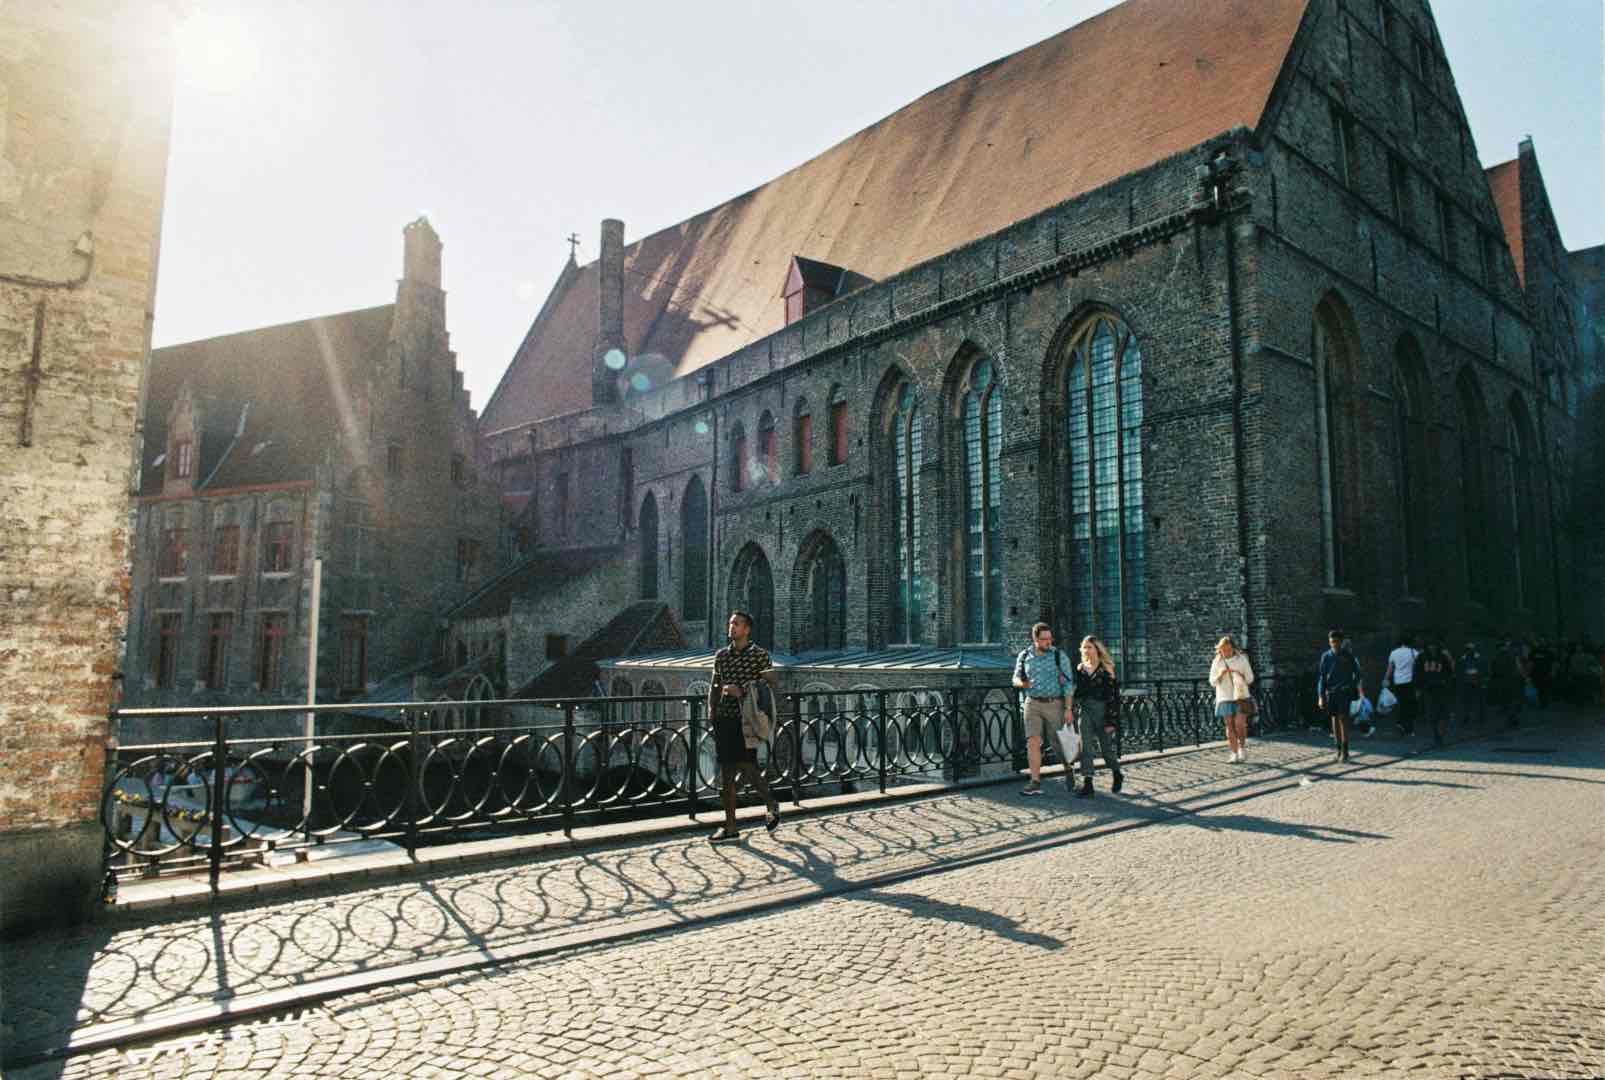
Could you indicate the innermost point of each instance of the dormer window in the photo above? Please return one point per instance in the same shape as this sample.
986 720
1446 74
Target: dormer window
811 284
183 458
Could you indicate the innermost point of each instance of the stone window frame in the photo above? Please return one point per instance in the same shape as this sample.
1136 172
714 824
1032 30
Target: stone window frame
695 541
183 459
819 595
899 456
219 644
1334 352
738 457
273 633
802 434
169 643
838 443
1412 454
767 448
354 636
173 555
225 549
975 437
1099 403
752 589
647 526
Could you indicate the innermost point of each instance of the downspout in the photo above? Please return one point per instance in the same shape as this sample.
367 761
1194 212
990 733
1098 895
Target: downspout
1549 491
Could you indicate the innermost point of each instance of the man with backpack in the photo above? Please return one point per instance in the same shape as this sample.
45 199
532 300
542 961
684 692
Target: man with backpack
1042 674
1338 684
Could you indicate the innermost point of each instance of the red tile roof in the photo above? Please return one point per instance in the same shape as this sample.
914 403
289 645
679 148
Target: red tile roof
1504 183
1109 96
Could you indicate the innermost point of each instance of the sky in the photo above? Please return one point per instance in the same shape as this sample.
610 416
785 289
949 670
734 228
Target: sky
306 133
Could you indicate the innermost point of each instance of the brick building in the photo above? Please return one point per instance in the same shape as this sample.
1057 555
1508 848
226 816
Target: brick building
348 438
85 106
1191 319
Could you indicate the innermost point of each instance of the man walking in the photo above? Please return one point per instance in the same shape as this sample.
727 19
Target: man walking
737 668
1042 673
1471 689
1338 684
1401 675
1436 672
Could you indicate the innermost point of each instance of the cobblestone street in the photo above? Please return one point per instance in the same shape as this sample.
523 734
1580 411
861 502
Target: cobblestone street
1439 914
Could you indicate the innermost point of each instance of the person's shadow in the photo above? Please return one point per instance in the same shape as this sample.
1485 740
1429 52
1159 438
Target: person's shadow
831 883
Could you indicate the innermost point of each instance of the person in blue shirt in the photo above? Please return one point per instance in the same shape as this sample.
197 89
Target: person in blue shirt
1338 684
1043 675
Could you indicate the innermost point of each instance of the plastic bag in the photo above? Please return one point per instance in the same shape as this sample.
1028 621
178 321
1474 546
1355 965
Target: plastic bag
1069 743
1530 692
1360 710
1386 701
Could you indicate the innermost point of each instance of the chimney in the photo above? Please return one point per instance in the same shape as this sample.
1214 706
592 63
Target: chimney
421 256
608 364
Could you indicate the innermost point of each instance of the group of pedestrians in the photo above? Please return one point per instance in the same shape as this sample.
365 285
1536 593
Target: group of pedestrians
1424 682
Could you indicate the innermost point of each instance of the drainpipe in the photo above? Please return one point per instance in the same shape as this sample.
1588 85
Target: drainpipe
1549 494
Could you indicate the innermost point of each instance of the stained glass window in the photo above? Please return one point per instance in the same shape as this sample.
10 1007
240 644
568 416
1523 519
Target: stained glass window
908 437
983 498
1108 544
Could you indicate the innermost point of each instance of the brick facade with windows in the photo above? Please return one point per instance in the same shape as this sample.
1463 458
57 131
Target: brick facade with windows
1219 381
378 476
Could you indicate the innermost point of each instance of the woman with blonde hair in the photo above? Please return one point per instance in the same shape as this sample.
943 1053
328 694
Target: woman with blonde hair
1232 675
1097 704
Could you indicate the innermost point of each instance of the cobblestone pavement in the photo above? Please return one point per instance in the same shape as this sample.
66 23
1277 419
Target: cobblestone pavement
1439 916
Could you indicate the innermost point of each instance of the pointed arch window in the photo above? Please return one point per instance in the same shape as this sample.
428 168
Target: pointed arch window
1410 450
694 531
766 447
802 438
752 589
648 526
838 426
907 437
822 614
1334 433
1108 571
1473 487
1523 537
981 420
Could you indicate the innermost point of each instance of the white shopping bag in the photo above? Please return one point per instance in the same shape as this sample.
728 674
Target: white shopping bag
1069 743
1387 701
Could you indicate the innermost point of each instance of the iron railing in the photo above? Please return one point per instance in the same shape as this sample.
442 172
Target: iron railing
420 773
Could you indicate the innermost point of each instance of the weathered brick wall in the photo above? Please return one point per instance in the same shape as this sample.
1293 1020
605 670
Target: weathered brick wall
85 100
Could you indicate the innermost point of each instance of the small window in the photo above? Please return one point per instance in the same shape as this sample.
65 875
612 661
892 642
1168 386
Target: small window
270 650
738 459
393 459
838 428
1343 147
766 446
174 560
805 444
278 547
459 471
353 652
1399 189
467 559
183 458
226 550
556 646
168 627
218 636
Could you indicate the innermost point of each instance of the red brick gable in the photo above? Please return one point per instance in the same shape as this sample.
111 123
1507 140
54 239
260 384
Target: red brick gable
1109 96
1504 184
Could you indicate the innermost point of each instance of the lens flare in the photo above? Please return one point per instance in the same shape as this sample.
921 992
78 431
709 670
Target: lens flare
614 359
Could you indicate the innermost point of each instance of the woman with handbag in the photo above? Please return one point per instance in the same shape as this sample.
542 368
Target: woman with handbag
1232 675
1097 705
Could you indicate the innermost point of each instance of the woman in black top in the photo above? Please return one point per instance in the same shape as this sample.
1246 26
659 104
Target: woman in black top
1097 705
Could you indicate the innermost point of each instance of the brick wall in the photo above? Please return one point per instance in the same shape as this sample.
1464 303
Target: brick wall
85 91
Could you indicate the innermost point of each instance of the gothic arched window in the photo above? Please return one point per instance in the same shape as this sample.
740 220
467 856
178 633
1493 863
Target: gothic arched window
1410 456
1108 570
1334 421
906 433
694 542
752 589
838 425
647 522
981 427
820 611
1523 532
766 449
1473 486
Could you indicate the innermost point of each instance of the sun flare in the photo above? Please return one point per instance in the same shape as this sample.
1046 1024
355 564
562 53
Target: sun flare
216 53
